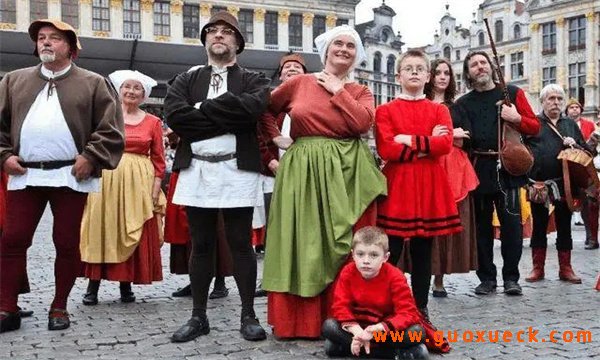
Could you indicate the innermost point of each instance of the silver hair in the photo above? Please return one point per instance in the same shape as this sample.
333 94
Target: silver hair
551 88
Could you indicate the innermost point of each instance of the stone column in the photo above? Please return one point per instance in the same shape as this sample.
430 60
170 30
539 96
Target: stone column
534 58
562 49
283 30
177 21
85 17
204 14
147 20
116 19
591 54
259 28
330 21
54 9
307 32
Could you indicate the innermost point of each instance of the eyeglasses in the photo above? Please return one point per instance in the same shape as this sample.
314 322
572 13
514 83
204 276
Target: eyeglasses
213 30
418 70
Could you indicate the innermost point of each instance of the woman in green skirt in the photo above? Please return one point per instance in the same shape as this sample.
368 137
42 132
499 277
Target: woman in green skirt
326 181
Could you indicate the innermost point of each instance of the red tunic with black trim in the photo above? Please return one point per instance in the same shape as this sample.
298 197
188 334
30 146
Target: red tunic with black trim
587 127
419 202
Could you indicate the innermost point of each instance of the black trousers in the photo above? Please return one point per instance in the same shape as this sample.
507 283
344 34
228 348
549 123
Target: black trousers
420 276
238 227
562 218
332 331
508 208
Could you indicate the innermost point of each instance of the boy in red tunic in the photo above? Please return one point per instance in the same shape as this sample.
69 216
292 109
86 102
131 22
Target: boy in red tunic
412 134
372 296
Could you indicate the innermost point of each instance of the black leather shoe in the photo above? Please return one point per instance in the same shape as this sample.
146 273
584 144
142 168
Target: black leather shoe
183 292
335 350
126 293
413 352
485 288
58 319
439 293
251 329
25 313
91 294
9 321
218 293
512 288
196 326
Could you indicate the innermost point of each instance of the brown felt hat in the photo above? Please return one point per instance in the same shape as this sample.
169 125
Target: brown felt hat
572 102
291 57
224 17
69 31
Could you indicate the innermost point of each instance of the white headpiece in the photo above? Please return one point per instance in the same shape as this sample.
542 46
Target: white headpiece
322 42
120 76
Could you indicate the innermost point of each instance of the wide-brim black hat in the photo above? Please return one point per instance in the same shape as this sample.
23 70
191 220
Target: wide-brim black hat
224 17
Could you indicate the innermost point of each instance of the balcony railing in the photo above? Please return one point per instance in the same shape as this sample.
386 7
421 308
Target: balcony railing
296 48
132 36
271 47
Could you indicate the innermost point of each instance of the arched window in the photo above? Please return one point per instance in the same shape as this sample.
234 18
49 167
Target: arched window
377 62
391 64
517 31
481 37
499 27
447 53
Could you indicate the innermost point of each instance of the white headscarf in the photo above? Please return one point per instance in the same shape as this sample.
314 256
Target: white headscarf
120 76
322 42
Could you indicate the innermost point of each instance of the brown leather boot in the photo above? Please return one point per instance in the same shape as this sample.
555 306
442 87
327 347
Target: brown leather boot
565 271
538 256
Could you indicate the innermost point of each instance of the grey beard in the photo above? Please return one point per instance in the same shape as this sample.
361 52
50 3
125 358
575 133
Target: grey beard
47 58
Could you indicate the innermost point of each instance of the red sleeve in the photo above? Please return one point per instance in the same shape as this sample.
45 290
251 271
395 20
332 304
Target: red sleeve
282 96
530 125
342 297
157 149
268 126
388 149
435 145
358 113
405 311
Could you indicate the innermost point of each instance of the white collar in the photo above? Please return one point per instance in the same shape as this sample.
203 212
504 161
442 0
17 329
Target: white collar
410 97
51 74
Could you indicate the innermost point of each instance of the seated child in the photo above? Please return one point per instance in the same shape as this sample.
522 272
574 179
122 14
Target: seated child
370 296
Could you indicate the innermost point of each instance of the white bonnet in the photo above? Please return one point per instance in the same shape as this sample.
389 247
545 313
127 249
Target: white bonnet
120 76
322 42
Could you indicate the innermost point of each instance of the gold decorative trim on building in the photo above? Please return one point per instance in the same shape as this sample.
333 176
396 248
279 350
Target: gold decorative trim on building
307 19
330 20
101 33
117 4
85 2
176 7
590 16
284 15
560 21
147 5
8 26
233 10
191 41
590 77
53 1
534 27
259 15
162 38
205 9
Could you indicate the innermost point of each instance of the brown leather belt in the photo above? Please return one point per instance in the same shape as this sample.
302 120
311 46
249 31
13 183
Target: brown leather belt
46 165
214 158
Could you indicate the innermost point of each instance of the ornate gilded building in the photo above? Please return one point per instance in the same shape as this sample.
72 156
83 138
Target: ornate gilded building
539 42
162 38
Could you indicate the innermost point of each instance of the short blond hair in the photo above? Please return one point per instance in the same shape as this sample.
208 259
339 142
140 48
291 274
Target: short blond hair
413 53
371 235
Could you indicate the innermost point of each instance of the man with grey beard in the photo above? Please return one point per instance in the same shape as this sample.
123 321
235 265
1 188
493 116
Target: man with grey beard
214 110
60 126
480 111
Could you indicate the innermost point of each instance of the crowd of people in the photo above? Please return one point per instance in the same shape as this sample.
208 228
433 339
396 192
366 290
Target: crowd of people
341 231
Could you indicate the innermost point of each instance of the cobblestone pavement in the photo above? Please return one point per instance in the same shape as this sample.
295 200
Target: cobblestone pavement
141 330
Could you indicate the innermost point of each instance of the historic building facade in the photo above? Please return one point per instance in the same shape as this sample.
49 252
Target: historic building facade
538 41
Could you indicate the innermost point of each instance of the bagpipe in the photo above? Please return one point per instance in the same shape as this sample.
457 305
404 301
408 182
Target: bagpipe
515 157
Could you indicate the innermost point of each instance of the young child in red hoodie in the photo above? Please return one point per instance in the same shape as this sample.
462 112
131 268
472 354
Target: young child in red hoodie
370 296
